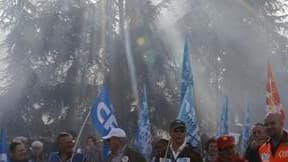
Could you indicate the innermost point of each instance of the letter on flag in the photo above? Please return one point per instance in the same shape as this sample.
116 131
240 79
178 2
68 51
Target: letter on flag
102 113
143 134
3 146
223 127
245 131
187 111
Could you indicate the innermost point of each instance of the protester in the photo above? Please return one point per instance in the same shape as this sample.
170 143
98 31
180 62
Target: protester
276 148
120 152
227 150
257 138
65 143
92 151
211 150
18 152
37 154
22 139
159 149
178 149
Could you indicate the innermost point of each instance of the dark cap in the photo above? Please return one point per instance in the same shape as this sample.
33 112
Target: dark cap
177 124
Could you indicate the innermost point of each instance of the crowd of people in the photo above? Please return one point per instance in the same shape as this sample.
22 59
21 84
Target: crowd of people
268 143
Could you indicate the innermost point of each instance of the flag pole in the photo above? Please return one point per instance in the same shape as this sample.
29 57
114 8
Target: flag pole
166 151
79 134
81 130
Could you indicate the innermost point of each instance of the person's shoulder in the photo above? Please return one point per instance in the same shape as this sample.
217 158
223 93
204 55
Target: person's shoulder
242 159
79 157
53 154
53 157
134 154
131 151
192 152
192 149
78 154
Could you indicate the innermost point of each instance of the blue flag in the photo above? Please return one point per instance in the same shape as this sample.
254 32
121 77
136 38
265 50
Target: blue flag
143 134
102 116
188 115
245 131
223 127
187 77
187 111
3 146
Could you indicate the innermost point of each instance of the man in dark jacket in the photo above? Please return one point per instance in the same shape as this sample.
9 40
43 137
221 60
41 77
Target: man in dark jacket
66 153
178 149
117 140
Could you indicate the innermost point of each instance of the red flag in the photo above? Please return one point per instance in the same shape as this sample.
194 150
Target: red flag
272 95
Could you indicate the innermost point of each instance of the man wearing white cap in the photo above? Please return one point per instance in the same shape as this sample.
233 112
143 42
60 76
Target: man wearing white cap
117 140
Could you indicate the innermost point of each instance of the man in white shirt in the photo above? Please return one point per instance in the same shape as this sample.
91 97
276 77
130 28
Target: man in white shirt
117 140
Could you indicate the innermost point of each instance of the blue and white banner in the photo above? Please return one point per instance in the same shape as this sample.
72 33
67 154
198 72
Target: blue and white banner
223 127
188 115
187 111
102 113
3 146
187 77
245 131
143 134
102 116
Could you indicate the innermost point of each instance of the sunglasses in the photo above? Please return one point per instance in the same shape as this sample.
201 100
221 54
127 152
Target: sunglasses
269 124
179 131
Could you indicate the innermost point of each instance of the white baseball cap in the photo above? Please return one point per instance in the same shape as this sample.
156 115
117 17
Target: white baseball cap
115 132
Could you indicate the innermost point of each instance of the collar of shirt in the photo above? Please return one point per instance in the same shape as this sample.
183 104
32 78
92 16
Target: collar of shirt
117 157
68 160
178 151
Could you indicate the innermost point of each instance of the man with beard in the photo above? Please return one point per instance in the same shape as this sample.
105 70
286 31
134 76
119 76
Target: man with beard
66 153
276 147
227 150
18 152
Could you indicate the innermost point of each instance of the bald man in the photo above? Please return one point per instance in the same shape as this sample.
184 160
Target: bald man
275 149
